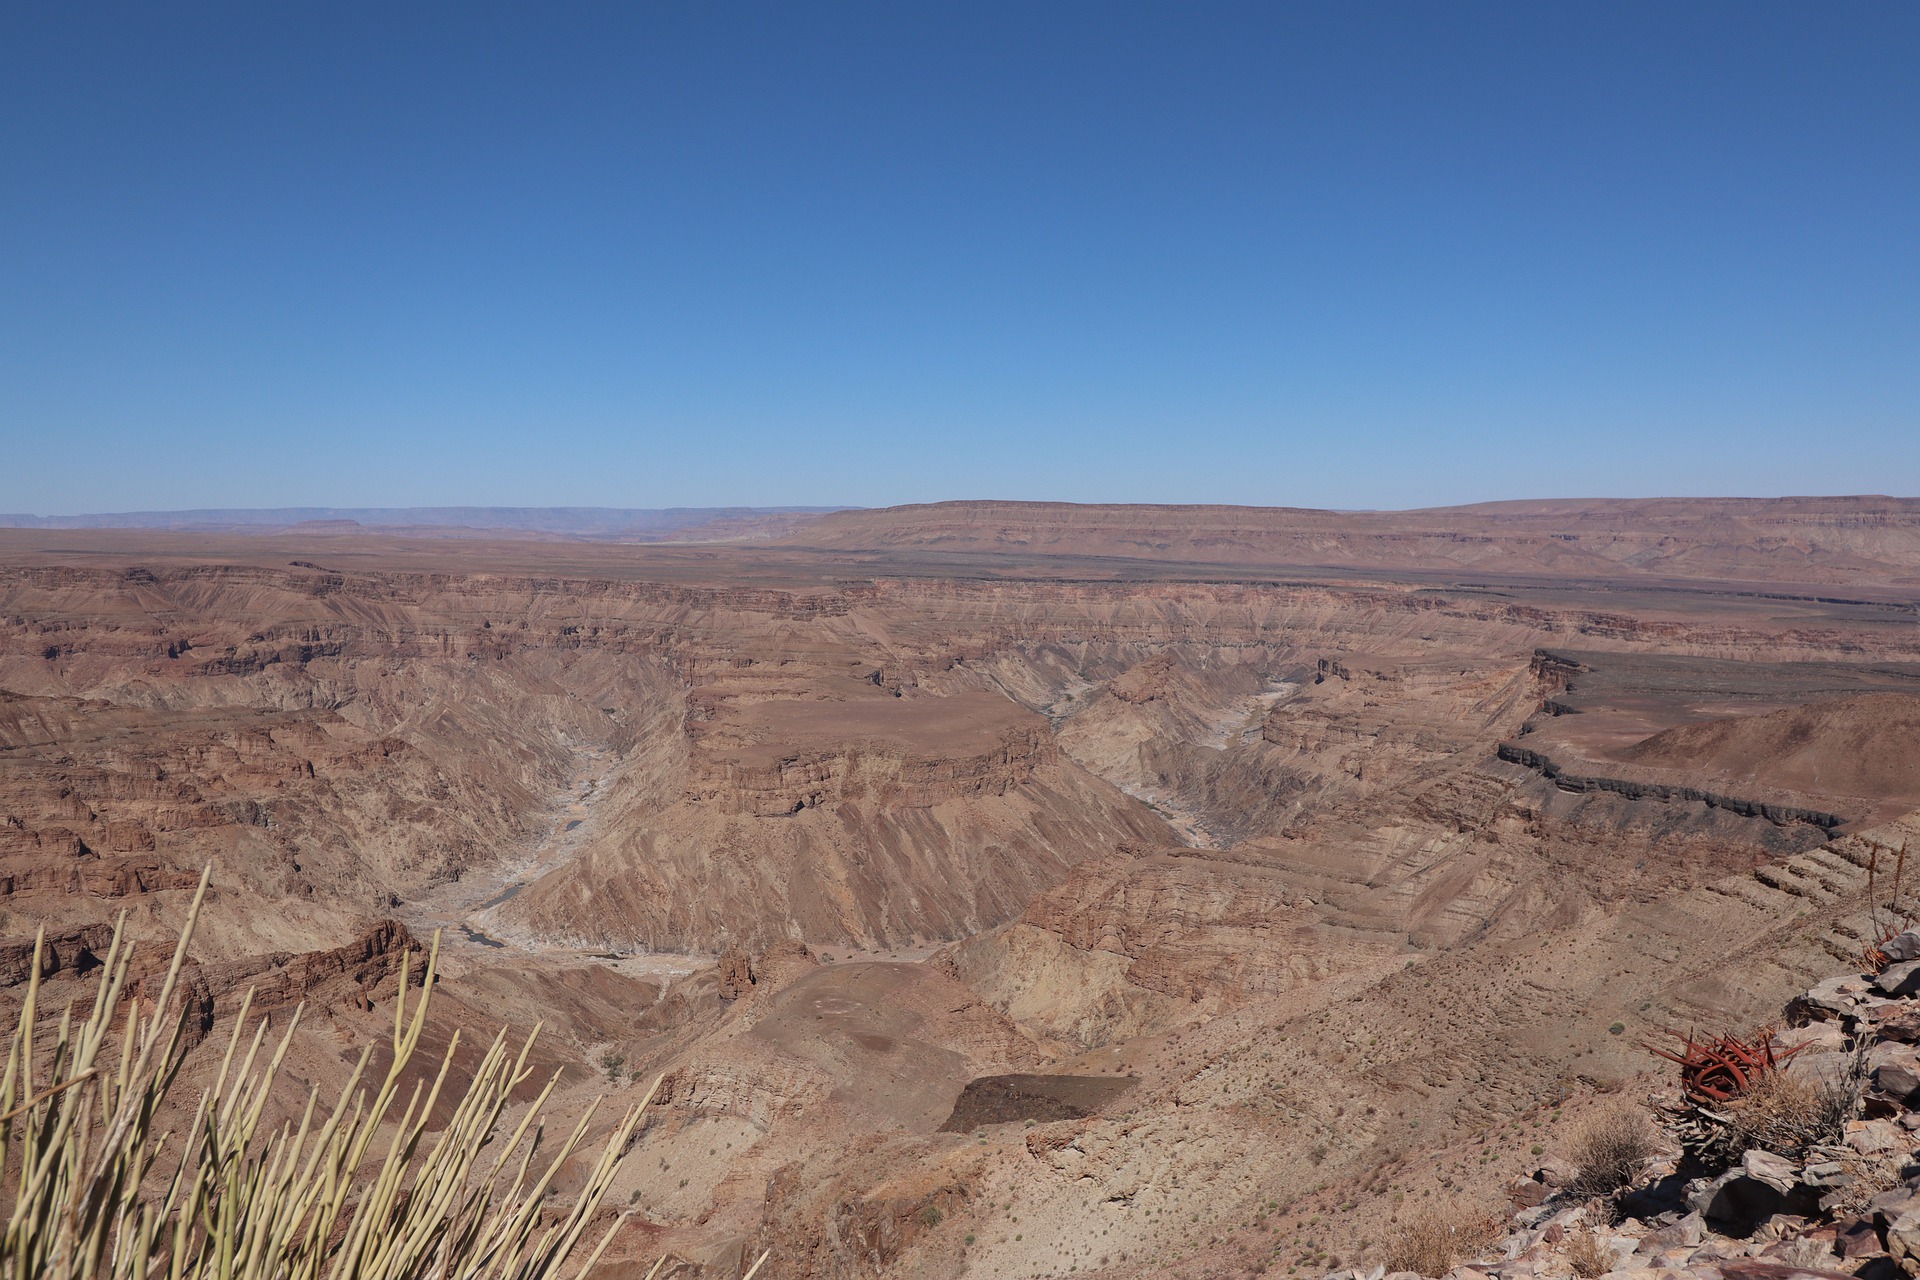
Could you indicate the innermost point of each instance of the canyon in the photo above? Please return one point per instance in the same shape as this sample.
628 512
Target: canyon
1001 889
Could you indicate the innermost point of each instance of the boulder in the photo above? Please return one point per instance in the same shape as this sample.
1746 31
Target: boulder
1899 1082
1821 1068
1828 1000
1890 1054
1815 1037
1901 1022
1889 1205
1686 1233
1527 1193
1903 1241
1902 979
1858 1237
1902 946
1895 1069
1776 1171
1825 1173
1754 1269
1875 1137
1736 1202
1556 1174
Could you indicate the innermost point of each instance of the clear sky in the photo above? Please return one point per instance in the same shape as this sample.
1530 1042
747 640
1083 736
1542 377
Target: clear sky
1357 255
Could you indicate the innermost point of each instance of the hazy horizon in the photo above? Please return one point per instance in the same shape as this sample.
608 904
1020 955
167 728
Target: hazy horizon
588 520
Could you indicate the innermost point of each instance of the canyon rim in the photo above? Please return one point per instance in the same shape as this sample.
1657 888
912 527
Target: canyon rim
1001 889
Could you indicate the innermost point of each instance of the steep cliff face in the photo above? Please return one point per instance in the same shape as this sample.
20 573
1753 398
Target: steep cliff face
348 780
777 759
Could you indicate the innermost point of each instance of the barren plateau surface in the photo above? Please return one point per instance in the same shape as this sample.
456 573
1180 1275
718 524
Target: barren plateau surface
1001 889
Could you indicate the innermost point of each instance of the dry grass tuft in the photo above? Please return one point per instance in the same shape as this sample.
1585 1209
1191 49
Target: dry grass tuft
1788 1114
1432 1241
1587 1256
1610 1149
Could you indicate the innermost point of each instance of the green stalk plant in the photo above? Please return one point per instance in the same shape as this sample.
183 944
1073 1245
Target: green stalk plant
363 1191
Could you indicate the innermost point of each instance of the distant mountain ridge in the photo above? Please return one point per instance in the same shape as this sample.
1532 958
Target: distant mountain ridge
597 523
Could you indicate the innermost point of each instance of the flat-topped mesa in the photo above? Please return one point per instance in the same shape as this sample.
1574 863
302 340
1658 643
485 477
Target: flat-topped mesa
779 758
1363 714
1825 762
1850 539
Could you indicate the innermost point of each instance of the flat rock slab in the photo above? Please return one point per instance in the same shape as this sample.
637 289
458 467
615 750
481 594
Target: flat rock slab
1753 1269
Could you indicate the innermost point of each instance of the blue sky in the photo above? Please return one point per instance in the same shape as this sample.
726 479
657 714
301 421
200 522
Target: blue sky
1355 255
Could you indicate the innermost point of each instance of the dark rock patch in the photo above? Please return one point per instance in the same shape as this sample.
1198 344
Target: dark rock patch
1001 1099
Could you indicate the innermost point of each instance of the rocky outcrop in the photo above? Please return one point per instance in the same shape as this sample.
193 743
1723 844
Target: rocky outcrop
735 974
347 976
1841 1195
812 779
74 870
1649 789
74 951
347 979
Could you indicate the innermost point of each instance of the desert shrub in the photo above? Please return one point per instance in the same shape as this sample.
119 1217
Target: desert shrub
1432 1241
96 1194
1609 1150
1788 1114
1587 1255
